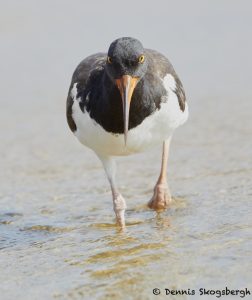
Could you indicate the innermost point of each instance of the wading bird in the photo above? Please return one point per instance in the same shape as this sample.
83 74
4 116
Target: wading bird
123 102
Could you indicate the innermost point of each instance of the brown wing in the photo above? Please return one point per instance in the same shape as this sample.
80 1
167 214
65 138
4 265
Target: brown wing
162 66
80 76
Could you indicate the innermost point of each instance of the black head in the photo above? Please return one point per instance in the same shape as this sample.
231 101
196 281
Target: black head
126 56
126 65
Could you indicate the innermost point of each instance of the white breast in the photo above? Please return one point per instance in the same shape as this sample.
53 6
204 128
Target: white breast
152 131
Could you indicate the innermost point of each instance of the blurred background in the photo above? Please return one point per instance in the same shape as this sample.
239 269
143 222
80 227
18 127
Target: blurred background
57 233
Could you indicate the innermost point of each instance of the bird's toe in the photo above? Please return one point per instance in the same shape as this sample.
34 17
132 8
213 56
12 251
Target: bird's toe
161 197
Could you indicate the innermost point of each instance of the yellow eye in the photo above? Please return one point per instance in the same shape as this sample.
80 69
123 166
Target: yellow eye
109 60
141 59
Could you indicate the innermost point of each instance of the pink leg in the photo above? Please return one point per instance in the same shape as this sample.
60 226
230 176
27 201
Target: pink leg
119 203
162 197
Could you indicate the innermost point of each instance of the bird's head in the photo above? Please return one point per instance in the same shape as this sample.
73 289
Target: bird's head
126 65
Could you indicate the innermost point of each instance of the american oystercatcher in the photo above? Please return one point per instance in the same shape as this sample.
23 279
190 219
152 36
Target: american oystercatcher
123 102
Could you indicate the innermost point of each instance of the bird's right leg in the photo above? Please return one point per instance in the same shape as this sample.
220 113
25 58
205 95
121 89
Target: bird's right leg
119 203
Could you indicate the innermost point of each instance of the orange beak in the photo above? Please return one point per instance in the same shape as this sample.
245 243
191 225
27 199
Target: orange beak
126 85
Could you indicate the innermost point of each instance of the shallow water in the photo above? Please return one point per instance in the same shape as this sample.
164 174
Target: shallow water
58 238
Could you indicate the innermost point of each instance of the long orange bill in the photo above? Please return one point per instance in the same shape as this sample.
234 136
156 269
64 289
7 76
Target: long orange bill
126 85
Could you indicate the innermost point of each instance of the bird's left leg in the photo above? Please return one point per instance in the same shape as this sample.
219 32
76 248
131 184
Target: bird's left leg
119 203
162 196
